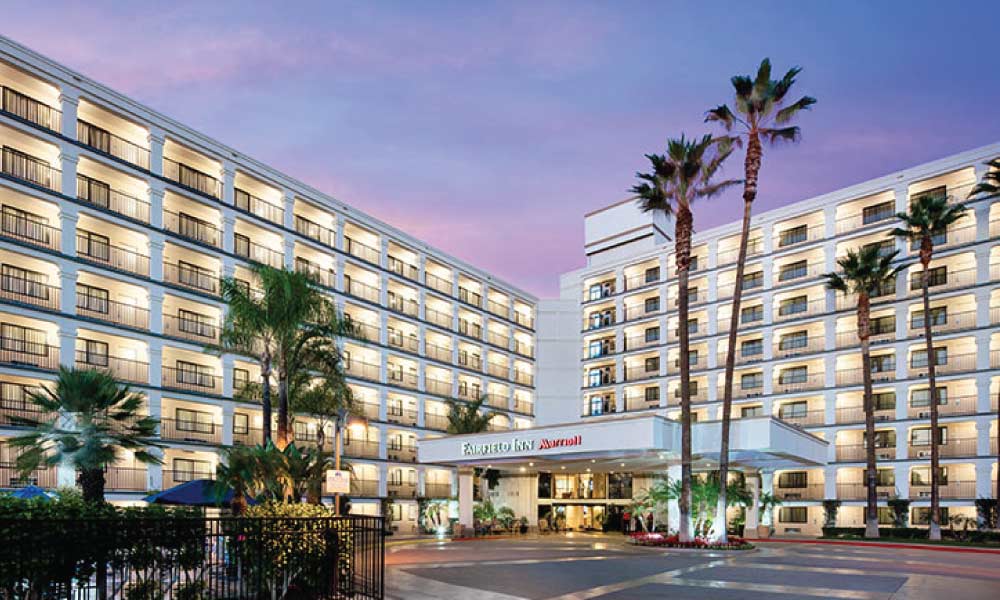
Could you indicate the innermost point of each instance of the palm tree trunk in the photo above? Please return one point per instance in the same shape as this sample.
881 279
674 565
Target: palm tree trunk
935 526
265 398
871 474
683 226
727 390
281 440
238 504
92 484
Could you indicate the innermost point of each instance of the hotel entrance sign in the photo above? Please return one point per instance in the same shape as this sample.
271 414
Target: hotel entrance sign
519 445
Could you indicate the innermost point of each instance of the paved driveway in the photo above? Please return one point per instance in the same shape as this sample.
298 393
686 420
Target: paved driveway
579 567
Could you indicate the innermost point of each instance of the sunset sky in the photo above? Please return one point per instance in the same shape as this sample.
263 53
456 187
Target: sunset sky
489 129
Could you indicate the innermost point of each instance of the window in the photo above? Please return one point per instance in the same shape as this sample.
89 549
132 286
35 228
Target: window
601 290
195 323
882 325
598 376
652 334
652 274
93 352
692 387
750 348
922 515
918 358
885 438
93 245
794 270
692 326
620 486
241 423
651 394
394 407
793 514
23 339
751 314
24 282
600 348
878 212
922 398
241 377
883 363
793 306
922 476
600 405
794 341
884 400
883 478
938 192
693 266
939 316
194 420
921 436
752 280
24 224
192 227
652 304
192 274
751 381
602 318
886 515
935 276
793 410
795 479
795 235
793 375
92 299
652 365
884 247
195 374
751 411
185 469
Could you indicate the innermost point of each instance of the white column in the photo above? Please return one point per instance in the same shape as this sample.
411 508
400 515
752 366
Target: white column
67 345
68 160
673 509
156 310
984 482
228 230
983 437
753 511
155 368
289 255
829 482
156 140
156 245
157 189
227 417
69 102
465 518
228 184
902 475
68 216
67 289
288 202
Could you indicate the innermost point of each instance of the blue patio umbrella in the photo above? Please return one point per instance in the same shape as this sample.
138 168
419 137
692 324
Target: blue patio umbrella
197 492
31 491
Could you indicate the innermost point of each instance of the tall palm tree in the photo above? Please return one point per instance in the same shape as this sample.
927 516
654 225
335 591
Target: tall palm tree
990 186
929 217
465 417
864 272
324 402
677 179
98 418
761 115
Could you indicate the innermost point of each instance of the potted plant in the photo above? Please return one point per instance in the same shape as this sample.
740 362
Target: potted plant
524 525
767 502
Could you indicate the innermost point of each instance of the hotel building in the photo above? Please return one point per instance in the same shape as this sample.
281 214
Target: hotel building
609 358
117 225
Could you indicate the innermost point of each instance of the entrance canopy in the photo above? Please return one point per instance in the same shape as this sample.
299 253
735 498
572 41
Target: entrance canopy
634 443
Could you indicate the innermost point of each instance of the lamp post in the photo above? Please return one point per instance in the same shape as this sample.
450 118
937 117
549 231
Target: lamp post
344 417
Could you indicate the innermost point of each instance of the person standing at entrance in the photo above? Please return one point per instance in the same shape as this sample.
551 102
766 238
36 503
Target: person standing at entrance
626 522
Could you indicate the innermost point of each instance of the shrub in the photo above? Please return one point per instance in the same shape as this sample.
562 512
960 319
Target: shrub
914 533
673 541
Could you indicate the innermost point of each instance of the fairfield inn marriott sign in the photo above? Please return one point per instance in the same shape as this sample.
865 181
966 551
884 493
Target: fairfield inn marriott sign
519 445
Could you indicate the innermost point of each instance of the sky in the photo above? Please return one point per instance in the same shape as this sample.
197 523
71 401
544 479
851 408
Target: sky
488 129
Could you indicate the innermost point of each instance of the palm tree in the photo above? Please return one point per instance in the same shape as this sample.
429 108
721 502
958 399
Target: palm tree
466 417
98 418
865 272
324 402
929 217
990 186
240 472
677 179
761 115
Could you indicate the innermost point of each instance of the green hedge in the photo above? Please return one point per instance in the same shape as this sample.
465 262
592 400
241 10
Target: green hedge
914 533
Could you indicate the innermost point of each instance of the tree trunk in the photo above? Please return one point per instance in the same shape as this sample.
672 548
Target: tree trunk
871 474
282 439
238 504
92 484
683 226
265 394
935 525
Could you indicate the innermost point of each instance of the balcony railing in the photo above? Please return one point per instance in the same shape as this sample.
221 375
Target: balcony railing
362 251
856 414
499 339
404 305
742 357
950 448
497 369
952 406
108 143
191 381
856 376
401 416
523 406
190 329
361 449
247 436
192 228
810 491
856 452
403 268
258 206
951 490
438 318
102 194
440 353
787 273
176 477
362 290
16 404
523 349
242 246
205 281
125 479
364 487
31 110
445 286
27 291
363 370
755 247
125 369
859 491
315 231
19 352
789 347
795 236
501 310
441 387
435 421
951 280
396 375
30 229
23 166
954 363
849 339
404 342
787 384
437 490
192 178
190 431
803 419
952 321
524 319
111 255
11 477
799 310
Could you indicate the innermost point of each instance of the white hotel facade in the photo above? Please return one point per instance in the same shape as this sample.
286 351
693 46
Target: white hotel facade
117 224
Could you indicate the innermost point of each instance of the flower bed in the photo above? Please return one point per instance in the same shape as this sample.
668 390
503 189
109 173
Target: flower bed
661 540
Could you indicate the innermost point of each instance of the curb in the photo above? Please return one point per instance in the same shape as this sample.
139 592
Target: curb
895 545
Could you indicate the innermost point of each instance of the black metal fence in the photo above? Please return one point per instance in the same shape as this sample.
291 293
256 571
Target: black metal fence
192 558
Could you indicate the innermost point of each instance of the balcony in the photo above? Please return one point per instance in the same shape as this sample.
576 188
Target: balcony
315 231
192 178
856 376
524 349
361 290
268 211
242 246
181 430
247 436
27 291
469 297
952 406
810 491
939 282
755 247
859 491
396 339
172 477
445 286
93 248
191 381
436 422
401 416
948 491
949 321
524 377
785 384
796 273
498 309
402 490
795 236
125 479
11 478
440 387
798 310
105 142
953 447
362 251
796 346
954 363
191 329
856 414
403 305
29 169
192 228
28 227
856 453
439 353
808 418
639 373
849 339
524 320
395 375
20 352
191 276
361 448
362 370
101 194
497 369
437 490
497 400
124 369
874 215
367 488
15 404
403 268
438 318
499 339
523 406
28 109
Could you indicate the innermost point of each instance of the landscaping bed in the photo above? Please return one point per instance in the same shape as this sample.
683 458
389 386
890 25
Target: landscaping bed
660 540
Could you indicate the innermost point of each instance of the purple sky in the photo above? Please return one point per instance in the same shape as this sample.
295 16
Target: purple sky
490 129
